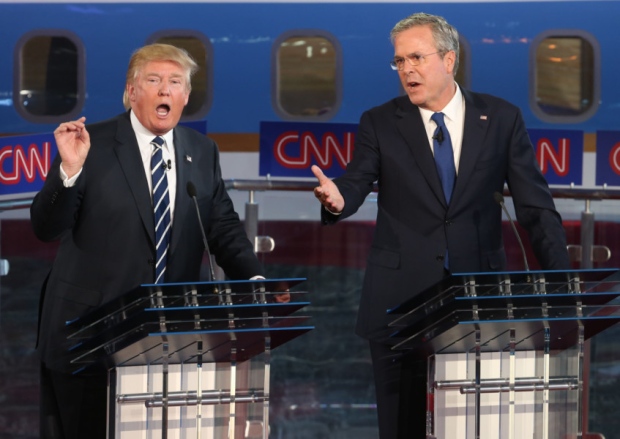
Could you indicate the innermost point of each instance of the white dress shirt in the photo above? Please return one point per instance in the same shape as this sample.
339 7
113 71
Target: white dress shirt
144 138
454 118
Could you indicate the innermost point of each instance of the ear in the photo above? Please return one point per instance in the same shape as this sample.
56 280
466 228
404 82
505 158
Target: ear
449 59
131 92
186 98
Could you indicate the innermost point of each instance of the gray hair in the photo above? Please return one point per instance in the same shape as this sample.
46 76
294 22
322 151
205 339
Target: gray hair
445 35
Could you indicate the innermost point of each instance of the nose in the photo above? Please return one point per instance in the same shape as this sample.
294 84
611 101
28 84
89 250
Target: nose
409 67
164 89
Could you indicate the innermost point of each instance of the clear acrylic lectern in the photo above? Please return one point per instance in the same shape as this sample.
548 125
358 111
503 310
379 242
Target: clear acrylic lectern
176 355
505 350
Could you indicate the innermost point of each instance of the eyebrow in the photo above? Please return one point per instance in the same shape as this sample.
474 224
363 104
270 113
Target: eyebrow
397 57
159 75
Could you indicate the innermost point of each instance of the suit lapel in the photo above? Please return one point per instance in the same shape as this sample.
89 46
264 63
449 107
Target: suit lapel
474 132
410 124
128 154
183 201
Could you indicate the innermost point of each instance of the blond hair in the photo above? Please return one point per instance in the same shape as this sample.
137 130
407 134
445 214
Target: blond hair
158 52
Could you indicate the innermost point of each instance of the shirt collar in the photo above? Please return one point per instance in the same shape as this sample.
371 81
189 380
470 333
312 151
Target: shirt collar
450 111
144 135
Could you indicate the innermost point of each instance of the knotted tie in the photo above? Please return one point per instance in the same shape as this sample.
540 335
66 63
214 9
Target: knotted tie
444 161
444 156
161 207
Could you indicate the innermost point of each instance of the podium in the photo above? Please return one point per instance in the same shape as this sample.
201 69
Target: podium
173 350
506 350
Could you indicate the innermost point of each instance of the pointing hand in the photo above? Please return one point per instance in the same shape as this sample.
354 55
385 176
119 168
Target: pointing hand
327 192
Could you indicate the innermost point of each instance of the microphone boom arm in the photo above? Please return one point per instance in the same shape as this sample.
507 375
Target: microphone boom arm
500 200
191 190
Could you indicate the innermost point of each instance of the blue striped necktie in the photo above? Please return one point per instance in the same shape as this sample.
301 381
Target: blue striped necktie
161 207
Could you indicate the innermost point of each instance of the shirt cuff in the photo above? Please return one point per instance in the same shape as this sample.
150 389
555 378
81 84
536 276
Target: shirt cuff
333 213
66 181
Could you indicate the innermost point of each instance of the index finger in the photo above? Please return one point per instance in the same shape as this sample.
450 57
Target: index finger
74 125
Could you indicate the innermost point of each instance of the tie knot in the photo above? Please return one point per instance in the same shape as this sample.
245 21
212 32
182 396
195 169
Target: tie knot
438 119
158 142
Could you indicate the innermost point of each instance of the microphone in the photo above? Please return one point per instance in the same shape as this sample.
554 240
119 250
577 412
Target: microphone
499 199
167 165
438 135
191 191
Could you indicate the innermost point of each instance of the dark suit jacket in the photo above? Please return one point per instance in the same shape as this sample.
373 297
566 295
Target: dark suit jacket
105 223
415 225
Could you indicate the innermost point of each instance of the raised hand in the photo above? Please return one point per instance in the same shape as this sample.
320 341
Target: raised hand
327 192
73 142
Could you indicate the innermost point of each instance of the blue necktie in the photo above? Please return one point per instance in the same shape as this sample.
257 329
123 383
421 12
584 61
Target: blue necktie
161 207
444 156
444 161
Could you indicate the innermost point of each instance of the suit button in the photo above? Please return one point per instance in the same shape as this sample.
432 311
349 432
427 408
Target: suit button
439 258
448 222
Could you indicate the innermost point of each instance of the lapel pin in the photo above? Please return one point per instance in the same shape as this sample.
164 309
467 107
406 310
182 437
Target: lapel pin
483 117
188 158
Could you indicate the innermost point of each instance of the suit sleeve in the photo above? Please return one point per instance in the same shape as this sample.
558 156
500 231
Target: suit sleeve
54 209
361 173
533 201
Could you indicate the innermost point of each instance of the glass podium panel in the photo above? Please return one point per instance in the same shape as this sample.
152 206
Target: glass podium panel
191 359
506 350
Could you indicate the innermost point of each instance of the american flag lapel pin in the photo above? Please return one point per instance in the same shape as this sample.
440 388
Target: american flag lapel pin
188 158
483 117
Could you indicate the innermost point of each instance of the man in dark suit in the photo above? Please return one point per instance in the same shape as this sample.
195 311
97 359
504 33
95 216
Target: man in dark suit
435 216
97 201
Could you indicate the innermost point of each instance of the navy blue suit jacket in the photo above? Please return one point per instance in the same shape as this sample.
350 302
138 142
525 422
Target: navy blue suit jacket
414 224
105 224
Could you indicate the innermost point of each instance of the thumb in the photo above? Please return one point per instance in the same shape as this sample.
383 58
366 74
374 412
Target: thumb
318 173
84 136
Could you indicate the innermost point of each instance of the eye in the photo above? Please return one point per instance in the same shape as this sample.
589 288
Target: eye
399 61
415 58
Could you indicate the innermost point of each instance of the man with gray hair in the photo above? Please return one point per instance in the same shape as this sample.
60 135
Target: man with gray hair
438 154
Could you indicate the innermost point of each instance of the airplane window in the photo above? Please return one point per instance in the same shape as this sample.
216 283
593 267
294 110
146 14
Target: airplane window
308 72
566 72
199 47
49 78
